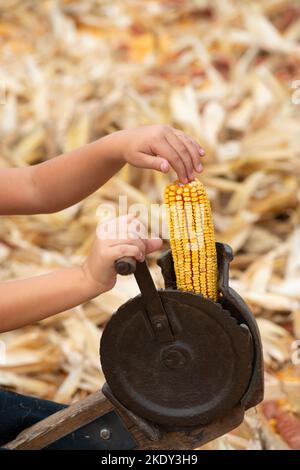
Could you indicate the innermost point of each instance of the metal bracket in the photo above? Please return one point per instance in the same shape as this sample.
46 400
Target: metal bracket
152 303
151 430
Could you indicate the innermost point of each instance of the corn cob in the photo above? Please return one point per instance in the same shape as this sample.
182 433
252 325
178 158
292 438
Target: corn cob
192 238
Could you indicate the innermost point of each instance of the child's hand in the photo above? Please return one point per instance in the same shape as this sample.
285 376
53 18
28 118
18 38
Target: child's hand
124 236
159 147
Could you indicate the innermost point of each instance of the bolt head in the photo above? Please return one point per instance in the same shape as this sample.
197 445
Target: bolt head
158 325
173 358
105 434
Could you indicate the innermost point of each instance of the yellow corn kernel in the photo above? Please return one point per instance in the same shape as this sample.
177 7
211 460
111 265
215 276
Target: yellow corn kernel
192 238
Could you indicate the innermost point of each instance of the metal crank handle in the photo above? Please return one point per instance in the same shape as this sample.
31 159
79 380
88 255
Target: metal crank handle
125 265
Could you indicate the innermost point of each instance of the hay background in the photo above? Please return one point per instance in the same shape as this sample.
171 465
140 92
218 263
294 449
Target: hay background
221 70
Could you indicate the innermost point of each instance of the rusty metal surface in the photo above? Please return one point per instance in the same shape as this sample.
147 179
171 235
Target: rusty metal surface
196 365
231 301
150 430
191 380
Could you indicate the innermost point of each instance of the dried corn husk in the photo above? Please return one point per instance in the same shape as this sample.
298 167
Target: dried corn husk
222 71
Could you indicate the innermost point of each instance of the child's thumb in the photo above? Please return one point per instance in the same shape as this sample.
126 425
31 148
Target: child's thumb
154 162
153 244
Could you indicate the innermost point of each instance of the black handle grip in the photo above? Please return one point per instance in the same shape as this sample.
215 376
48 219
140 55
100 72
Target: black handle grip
125 265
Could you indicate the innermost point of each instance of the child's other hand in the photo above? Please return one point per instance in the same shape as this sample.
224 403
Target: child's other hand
124 236
161 147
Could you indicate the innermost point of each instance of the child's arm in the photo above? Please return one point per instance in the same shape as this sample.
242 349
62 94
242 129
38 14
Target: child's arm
25 301
62 181
29 300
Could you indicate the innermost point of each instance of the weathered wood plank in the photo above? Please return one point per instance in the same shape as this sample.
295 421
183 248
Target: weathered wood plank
61 423
187 439
85 411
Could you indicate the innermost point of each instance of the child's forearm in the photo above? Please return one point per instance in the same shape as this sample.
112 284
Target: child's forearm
29 300
61 182
69 178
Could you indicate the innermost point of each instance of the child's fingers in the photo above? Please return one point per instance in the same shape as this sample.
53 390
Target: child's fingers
170 150
122 223
136 248
182 150
153 244
165 150
121 228
132 233
196 152
125 232
137 229
153 162
200 149
141 244
133 251
114 225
